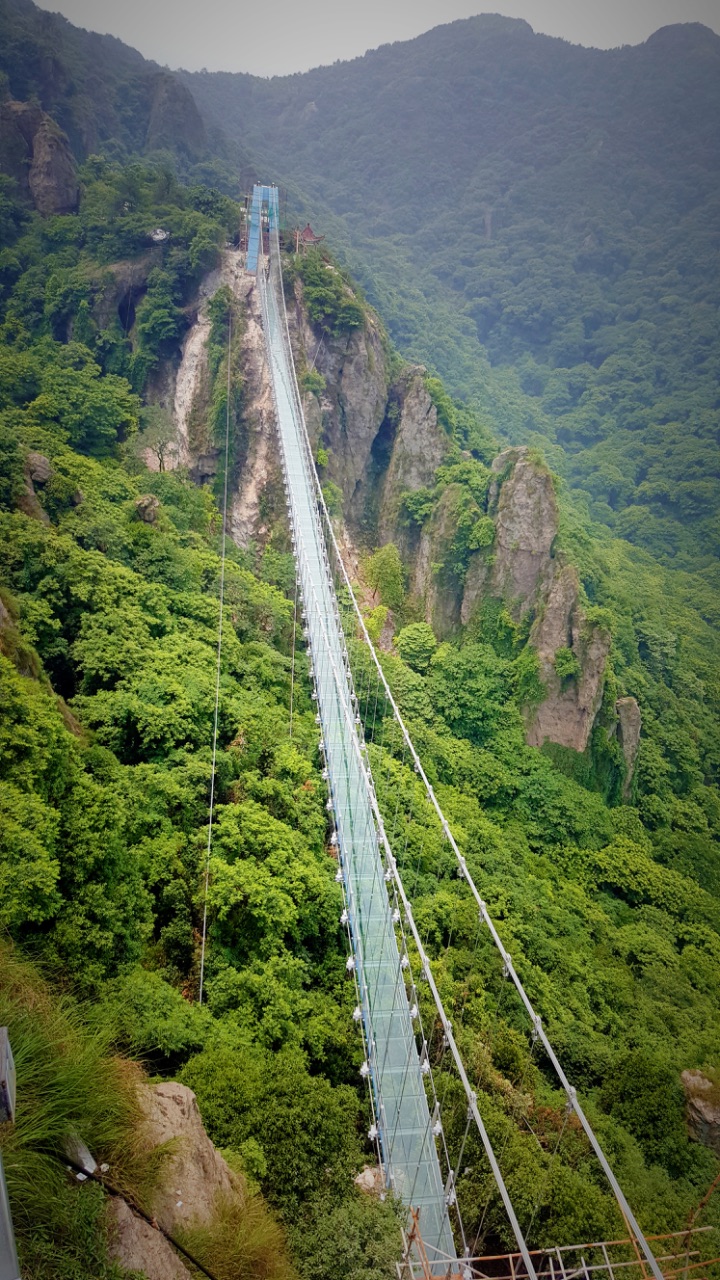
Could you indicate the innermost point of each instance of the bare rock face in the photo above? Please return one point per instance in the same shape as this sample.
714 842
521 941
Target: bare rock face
175 122
195 1173
703 1108
567 714
194 1176
139 1247
352 409
28 503
35 152
522 501
526 524
53 175
417 448
439 590
628 731
260 473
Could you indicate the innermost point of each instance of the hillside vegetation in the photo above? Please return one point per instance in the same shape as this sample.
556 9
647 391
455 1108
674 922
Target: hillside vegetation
108 647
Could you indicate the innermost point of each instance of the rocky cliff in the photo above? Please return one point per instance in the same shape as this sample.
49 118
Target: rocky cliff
376 430
104 96
522 502
36 153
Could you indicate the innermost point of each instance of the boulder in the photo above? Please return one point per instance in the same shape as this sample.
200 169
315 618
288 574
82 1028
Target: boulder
370 1180
39 468
147 507
195 1174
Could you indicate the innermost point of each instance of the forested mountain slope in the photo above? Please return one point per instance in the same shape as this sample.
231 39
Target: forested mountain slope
538 222
107 638
104 95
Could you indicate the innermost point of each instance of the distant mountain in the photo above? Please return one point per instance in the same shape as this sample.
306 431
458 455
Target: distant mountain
540 222
104 95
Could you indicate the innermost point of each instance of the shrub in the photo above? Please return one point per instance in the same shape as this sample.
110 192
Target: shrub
566 664
386 575
416 645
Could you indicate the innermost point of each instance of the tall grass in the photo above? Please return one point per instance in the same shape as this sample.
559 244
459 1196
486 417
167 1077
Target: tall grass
243 1242
68 1086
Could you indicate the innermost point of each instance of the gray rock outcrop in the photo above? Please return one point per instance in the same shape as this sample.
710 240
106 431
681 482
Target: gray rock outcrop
416 445
352 409
39 468
522 501
702 1108
35 151
195 1176
39 471
53 174
567 713
629 727
526 524
440 591
147 507
196 1173
175 124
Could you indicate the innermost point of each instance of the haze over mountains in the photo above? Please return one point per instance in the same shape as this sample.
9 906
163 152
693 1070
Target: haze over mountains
507 195
536 221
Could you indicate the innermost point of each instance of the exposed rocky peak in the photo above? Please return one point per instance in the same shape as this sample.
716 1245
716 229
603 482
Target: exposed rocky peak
349 414
35 151
413 442
175 123
522 502
526 524
567 714
628 728
522 569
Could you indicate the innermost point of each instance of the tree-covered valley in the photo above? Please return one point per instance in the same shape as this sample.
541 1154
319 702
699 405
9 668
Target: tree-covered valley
581 332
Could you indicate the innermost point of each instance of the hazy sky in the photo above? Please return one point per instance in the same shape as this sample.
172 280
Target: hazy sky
274 37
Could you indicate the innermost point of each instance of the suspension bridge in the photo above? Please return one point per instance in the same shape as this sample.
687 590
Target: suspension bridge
399 1007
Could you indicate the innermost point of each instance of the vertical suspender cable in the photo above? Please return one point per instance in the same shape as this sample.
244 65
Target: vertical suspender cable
217 669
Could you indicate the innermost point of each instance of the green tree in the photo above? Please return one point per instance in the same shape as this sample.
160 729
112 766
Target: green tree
416 644
386 576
